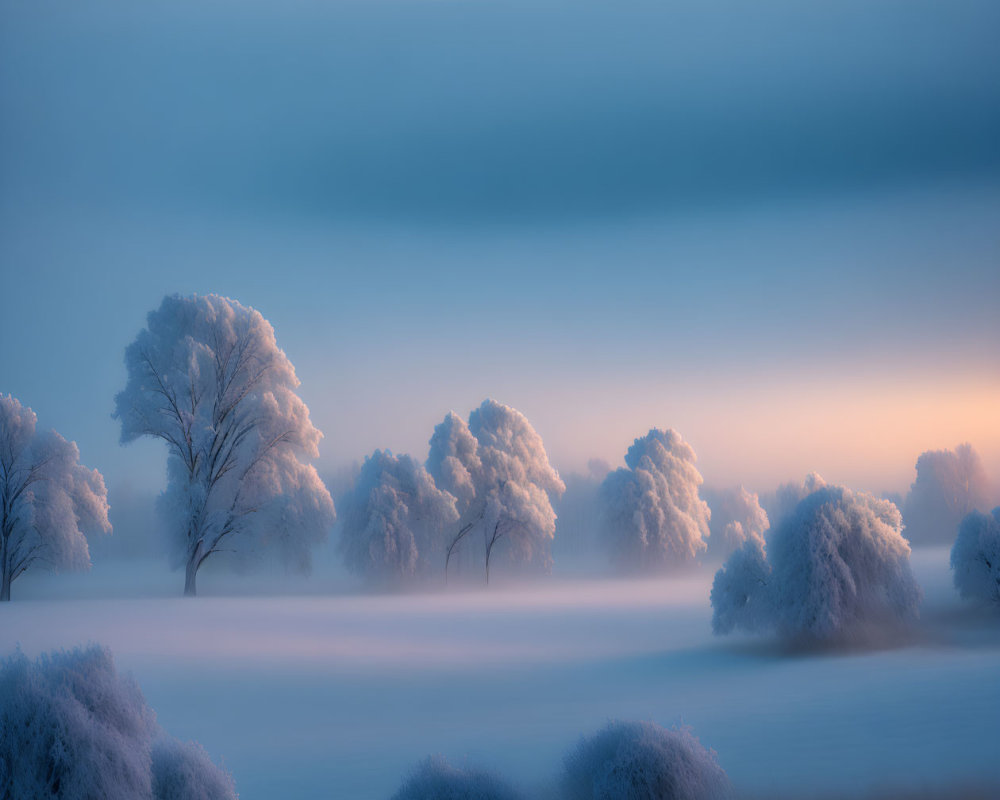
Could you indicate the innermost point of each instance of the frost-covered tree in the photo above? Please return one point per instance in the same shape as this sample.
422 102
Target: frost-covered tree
497 469
949 484
651 515
206 376
975 557
435 779
48 501
72 728
643 761
834 567
453 461
395 520
736 518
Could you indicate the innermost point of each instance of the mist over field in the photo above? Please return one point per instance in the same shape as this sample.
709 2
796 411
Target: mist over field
351 691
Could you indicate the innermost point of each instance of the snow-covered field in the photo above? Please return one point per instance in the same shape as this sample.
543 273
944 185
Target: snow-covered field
334 695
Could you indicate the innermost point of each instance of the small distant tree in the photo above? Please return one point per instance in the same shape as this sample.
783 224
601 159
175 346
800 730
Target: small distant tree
834 567
577 527
48 501
497 469
736 517
975 557
949 485
206 376
783 501
436 779
642 761
394 521
72 727
651 515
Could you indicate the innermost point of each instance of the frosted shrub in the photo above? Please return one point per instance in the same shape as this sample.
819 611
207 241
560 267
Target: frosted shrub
975 558
72 728
642 761
837 565
436 779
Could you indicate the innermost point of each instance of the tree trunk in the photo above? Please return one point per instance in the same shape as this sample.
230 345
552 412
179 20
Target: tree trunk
489 549
487 555
4 574
189 577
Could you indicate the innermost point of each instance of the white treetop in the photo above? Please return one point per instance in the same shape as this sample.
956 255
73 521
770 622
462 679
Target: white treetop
652 516
835 567
48 501
736 517
499 472
395 520
454 462
207 377
949 485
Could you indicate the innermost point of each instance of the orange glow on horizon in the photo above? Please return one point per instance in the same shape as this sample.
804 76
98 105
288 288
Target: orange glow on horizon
864 432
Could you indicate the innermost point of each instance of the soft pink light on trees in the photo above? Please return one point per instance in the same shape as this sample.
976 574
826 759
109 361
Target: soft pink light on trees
206 376
48 500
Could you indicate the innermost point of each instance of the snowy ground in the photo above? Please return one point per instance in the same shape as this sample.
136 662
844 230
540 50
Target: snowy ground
337 696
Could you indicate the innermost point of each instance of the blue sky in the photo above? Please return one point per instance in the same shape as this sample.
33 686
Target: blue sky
774 228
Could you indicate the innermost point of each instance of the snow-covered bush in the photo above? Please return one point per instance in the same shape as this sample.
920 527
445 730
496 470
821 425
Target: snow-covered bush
642 761
72 728
651 515
975 557
435 779
836 565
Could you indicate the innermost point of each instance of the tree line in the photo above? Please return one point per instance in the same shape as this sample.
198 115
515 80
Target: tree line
207 378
